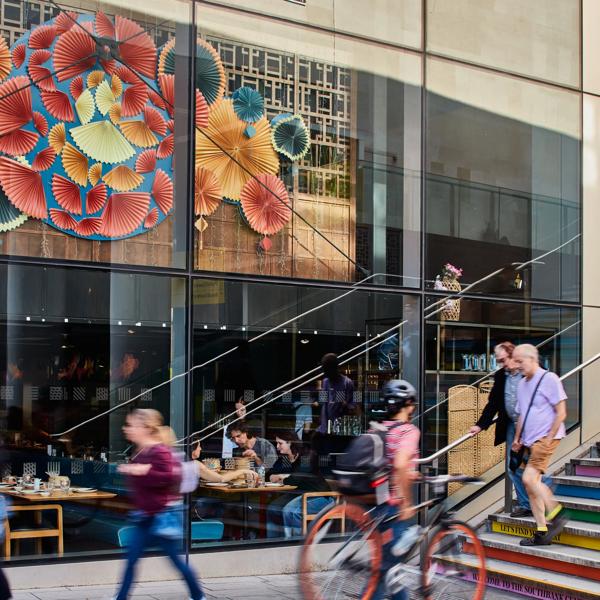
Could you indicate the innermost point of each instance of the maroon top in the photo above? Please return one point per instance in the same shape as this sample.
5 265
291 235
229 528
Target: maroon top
153 491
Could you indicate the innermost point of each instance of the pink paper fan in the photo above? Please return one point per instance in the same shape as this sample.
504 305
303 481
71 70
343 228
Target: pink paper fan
126 75
74 53
171 125
66 194
136 47
266 204
124 213
134 99
167 88
110 66
42 36
266 244
166 147
155 121
18 55
104 26
42 77
95 199
44 159
88 226
76 87
15 103
162 191
156 99
24 188
62 219
151 219
39 57
40 123
58 105
18 142
202 110
146 161
64 21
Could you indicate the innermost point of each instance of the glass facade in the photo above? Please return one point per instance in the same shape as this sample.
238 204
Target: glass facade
243 187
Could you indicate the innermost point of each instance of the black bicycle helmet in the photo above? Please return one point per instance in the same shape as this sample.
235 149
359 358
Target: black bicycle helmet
397 393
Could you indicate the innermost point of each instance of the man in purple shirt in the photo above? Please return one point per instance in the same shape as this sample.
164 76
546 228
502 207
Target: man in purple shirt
338 391
542 408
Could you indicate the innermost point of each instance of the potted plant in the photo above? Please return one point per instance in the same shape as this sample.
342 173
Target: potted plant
449 282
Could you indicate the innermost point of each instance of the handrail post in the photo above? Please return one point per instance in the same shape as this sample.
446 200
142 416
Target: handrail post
507 491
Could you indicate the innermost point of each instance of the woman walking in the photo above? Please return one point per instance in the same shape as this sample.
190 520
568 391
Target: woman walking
154 475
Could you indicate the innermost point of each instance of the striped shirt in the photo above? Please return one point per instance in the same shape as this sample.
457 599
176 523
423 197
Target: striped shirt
404 438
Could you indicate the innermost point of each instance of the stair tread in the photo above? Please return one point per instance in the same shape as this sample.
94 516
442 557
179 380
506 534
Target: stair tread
577 480
574 527
570 554
588 504
587 462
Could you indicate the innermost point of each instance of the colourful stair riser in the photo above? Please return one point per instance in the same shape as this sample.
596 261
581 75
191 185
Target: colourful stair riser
539 562
583 515
568 539
576 491
586 471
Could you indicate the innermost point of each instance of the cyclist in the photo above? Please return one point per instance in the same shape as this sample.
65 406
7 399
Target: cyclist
402 447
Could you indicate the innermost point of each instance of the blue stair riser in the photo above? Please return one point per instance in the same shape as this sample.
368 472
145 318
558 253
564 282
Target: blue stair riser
576 491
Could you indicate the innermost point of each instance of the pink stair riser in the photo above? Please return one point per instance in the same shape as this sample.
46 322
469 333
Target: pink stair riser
585 471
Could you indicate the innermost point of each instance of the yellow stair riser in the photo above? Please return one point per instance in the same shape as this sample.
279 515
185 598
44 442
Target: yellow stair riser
568 539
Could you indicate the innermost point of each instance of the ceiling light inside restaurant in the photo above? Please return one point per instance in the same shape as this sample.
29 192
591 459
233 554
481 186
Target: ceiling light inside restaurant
304 341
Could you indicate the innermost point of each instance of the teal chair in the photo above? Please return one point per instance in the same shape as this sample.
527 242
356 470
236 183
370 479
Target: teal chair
202 531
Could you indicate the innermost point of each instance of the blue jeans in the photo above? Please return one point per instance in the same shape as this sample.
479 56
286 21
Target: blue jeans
141 538
286 515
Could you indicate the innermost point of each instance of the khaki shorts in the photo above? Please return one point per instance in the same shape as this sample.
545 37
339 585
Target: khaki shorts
540 454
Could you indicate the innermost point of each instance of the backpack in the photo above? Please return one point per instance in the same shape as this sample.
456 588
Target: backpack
365 466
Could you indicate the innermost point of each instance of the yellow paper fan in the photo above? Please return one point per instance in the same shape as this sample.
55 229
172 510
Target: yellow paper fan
114 113
75 164
123 179
103 142
95 173
138 133
57 137
116 86
95 78
85 106
104 97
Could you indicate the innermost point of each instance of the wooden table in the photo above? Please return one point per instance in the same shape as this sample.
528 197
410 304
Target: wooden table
58 496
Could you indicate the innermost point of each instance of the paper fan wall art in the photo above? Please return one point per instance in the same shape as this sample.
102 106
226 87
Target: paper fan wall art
290 136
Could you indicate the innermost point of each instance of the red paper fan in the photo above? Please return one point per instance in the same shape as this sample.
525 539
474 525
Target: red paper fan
74 53
162 191
124 213
66 193
76 87
44 159
136 48
18 55
15 103
89 226
62 219
154 120
266 204
40 123
202 110
146 162
42 77
23 187
110 66
171 125
57 103
166 147
64 21
42 37
167 88
266 244
18 142
134 99
104 26
151 219
156 99
95 199
126 75
39 57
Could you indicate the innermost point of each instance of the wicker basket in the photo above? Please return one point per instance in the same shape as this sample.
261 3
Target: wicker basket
451 311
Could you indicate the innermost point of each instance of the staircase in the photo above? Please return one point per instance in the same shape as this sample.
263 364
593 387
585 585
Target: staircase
569 569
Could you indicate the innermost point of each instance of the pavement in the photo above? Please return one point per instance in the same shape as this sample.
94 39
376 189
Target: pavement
284 587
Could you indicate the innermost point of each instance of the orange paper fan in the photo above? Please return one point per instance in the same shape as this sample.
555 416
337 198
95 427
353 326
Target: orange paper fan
95 173
207 192
15 103
95 199
42 36
75 164
64 21
167 88
44 159
151 219
202 110
94 79
104 26
89 226
154 120
18 55
162 191
42 77
58 137
166 147
57 103
167 50
266 204
136 47
76 87
124 213
24 188
116 86
66 193
62 219
134 99
18 142
146 161
115 113
123 179
156 99
138 133
39 57
126 75
74 53
40 123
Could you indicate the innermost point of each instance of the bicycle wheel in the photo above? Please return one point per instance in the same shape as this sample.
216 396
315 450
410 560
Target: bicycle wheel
443 565
341 555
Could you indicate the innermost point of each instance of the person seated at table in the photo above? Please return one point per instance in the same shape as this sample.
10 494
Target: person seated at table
294 468
258 449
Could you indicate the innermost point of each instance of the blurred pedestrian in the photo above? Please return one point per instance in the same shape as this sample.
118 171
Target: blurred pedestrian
5 593
338 391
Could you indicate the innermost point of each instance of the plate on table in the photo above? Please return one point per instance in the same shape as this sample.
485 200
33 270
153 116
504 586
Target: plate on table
29 492
83 490
3 486
271 484
214 484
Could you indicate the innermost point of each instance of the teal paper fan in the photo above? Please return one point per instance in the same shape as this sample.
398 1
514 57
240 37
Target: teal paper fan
10 216
290 136
248 104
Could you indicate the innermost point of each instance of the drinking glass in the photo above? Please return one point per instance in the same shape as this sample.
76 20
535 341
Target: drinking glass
65 484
